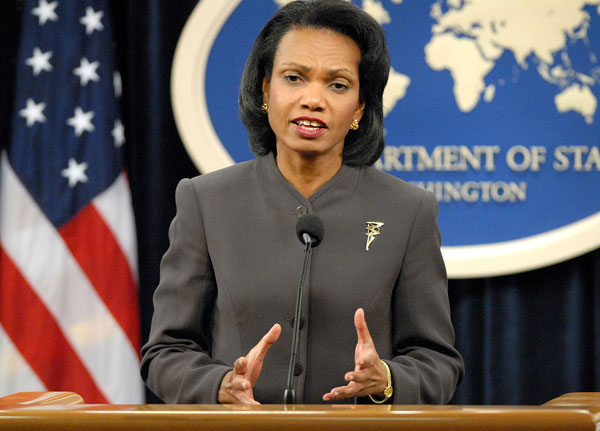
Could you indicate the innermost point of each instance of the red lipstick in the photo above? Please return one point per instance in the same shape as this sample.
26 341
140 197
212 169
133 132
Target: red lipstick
309 127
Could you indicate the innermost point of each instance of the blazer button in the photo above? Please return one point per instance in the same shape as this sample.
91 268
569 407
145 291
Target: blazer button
300 211
297 369
292 320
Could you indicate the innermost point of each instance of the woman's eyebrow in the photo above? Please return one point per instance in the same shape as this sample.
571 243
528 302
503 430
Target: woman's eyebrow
341 69
307 69
300 66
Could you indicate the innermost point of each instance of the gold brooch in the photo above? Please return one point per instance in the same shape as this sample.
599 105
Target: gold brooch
372 231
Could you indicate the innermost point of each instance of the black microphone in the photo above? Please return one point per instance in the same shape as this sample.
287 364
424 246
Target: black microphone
309 230
311 225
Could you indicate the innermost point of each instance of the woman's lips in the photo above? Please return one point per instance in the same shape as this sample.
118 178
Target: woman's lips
309 128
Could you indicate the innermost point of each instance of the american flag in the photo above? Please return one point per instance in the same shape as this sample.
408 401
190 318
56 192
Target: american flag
69 315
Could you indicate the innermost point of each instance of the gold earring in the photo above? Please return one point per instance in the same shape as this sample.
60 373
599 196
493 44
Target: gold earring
265 108
354 125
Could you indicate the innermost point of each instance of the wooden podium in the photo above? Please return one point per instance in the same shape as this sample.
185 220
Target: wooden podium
66 411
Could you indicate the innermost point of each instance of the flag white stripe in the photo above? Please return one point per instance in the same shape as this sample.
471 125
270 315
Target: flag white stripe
15 373
45 262
114 204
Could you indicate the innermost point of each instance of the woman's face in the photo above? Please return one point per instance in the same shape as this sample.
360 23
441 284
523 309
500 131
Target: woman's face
313 93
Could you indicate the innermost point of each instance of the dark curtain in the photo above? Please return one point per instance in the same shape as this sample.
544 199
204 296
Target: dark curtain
530 337
146 34
526 338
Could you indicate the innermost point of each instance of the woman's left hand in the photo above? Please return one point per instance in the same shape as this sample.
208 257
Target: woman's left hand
369 376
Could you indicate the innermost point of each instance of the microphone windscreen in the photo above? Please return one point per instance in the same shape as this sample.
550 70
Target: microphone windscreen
313 226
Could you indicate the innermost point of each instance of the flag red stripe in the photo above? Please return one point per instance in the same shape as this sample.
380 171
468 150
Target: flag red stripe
36 335
109 272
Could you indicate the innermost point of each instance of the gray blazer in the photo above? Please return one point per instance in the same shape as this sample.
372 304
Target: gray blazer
232 271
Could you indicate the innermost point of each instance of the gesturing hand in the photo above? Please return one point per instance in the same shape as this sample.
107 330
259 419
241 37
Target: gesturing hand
369 376
236 386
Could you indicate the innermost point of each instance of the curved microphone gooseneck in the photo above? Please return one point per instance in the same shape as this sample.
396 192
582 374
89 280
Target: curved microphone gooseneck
309 230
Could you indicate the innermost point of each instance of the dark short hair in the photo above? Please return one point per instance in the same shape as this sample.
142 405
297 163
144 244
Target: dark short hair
361 147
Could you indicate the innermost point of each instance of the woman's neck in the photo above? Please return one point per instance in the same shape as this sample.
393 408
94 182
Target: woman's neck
308 174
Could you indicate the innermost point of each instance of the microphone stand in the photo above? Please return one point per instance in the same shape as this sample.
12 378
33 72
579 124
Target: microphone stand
289 395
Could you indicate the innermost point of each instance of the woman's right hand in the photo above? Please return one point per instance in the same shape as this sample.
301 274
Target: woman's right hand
236 386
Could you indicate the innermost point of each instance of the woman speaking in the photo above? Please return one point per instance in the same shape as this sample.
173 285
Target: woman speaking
311 100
